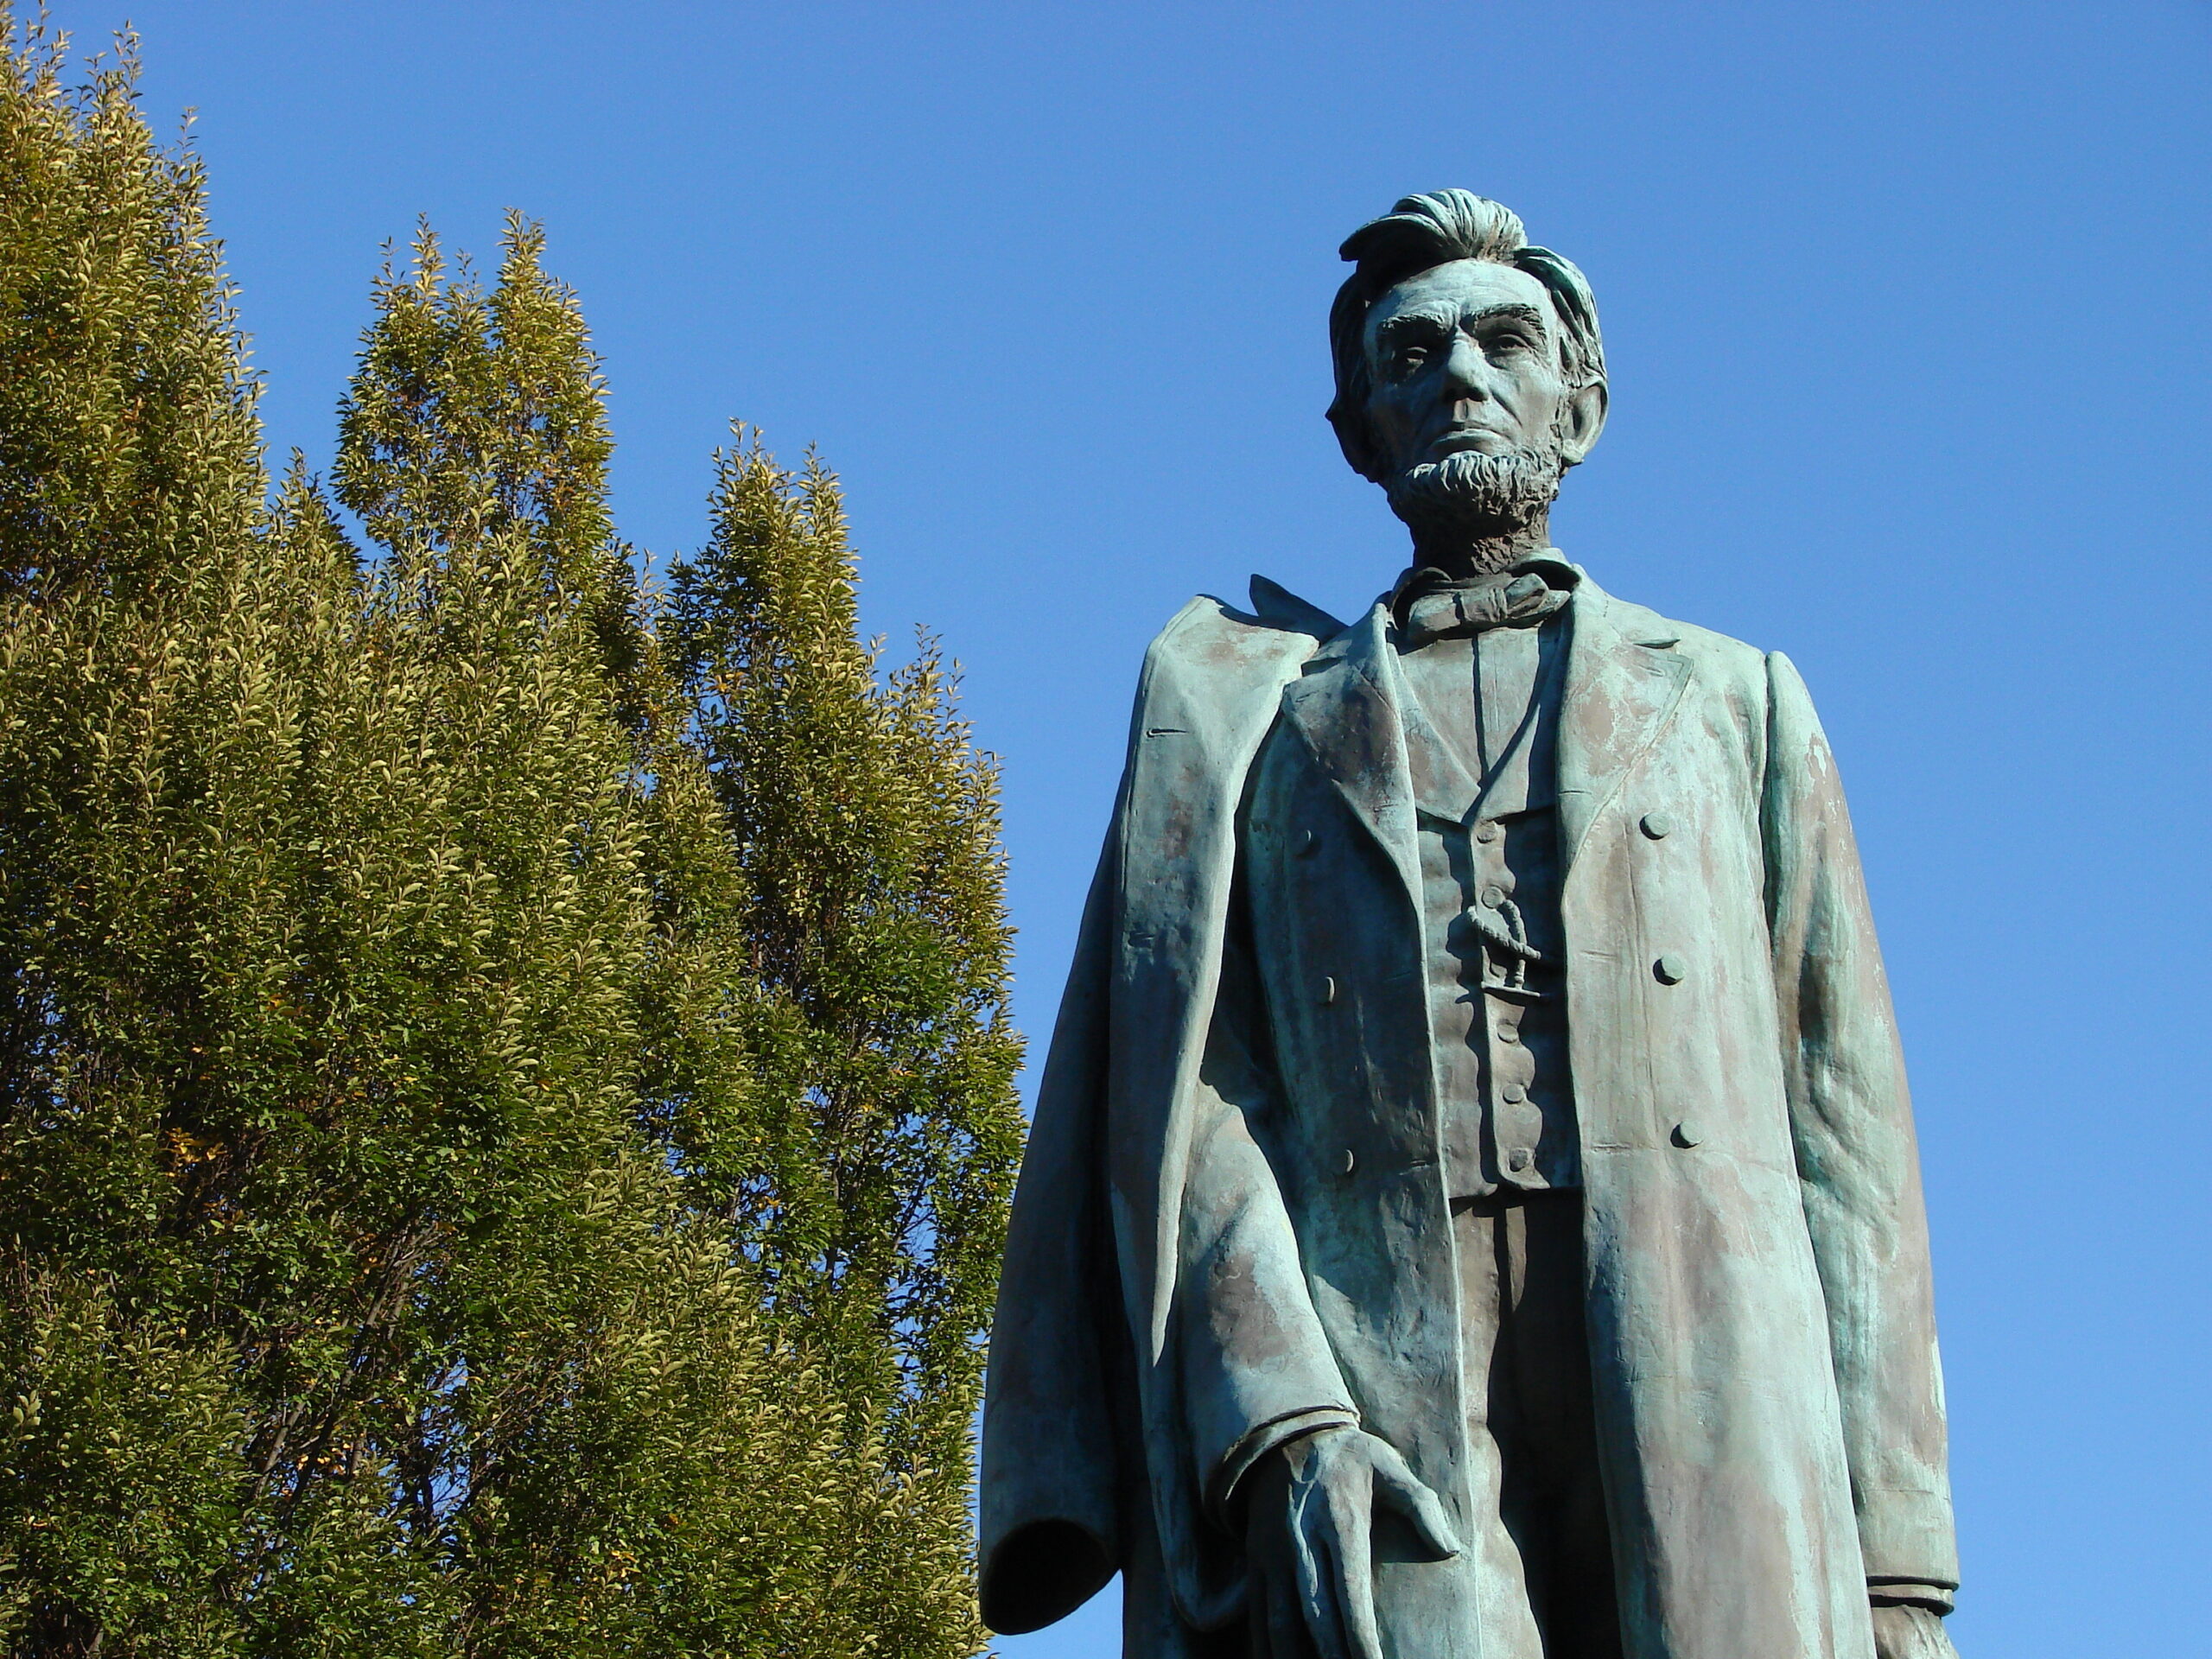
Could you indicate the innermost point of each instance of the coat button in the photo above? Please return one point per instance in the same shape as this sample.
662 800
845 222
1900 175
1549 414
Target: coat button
1328 990
1514 1094
1493 896
1307 841
1671 969
1348 1162
1687 1133
1487 831
1518 1160
1657 824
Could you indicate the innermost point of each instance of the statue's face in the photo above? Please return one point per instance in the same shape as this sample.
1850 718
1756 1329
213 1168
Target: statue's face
1465 358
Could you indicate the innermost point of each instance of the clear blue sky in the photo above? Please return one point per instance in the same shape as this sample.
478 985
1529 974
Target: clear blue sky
1906 310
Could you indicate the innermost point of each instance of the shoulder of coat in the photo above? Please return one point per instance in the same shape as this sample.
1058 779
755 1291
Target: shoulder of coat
1215 674
1714 651
1209 636
1274 610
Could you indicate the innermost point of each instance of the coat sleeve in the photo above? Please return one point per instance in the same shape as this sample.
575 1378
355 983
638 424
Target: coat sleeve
1255 1366
1850 1120
1046 1501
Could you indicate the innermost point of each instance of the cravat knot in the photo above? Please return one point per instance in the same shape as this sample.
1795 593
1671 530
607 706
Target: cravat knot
1432 606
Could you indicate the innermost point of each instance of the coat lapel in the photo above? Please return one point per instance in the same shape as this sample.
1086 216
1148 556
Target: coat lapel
1623 682
1347 707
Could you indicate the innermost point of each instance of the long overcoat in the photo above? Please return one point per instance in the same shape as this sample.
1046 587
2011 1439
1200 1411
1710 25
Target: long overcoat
1230 1231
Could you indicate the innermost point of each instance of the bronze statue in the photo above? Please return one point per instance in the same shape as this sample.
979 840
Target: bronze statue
1473 1211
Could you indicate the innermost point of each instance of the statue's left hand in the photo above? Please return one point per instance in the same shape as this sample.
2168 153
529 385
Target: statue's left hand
1908 1632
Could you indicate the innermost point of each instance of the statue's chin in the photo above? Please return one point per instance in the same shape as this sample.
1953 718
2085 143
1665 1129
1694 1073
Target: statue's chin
1477 497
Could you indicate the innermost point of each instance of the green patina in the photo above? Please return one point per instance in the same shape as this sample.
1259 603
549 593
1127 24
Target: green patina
1473 1206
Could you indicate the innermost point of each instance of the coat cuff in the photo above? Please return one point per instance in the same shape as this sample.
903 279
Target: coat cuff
1905 1536
1240 1458
1904 1592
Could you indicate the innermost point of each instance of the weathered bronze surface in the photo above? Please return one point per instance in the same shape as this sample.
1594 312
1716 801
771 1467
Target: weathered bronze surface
1472 1208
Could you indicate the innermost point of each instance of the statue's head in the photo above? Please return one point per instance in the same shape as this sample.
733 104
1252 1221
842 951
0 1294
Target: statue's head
1470 373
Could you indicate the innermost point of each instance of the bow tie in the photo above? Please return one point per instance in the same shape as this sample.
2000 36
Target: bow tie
1430 606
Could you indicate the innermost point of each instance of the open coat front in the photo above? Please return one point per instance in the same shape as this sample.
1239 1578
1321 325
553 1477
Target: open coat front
1232 1223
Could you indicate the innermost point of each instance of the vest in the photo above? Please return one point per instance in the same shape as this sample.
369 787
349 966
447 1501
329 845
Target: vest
1481 719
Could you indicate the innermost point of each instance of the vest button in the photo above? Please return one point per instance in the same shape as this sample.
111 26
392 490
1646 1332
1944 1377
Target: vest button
1513 1094
1493 896
1671 969
1349 1162
1487 831
1518 1160
1328 990
1687 1133
1657 824
1307 841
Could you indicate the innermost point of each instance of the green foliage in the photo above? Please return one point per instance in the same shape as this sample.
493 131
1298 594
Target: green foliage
506 1111
128 444
864 1140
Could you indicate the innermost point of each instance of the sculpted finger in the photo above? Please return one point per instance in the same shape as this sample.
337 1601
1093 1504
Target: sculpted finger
1354 1550
1336 1641
1406 1492
1318 1591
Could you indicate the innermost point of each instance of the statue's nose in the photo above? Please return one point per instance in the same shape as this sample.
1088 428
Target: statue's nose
1467 371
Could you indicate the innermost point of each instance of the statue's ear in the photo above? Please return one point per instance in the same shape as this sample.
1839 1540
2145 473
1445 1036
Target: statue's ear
1581 422
1356 440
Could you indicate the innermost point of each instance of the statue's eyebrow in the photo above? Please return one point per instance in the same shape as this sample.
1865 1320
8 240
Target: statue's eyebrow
1428 319
1519 313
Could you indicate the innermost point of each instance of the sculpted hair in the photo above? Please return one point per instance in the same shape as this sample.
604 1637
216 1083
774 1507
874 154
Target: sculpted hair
1419 235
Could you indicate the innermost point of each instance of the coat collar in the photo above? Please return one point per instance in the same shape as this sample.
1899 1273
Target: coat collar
1624 680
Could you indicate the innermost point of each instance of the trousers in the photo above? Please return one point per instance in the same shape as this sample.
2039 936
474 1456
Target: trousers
1541 1551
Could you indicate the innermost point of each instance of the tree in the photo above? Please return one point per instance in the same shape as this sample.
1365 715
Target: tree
507 1104
863 1147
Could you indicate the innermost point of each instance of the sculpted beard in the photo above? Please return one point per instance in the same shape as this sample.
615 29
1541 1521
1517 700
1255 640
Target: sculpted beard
1477 495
